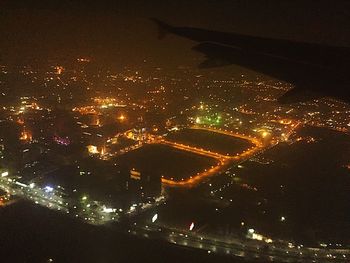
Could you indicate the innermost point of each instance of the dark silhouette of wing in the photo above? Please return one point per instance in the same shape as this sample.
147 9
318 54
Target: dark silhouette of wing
314 70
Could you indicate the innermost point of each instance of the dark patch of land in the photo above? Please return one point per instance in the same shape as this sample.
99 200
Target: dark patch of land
166 161
30 233
305 182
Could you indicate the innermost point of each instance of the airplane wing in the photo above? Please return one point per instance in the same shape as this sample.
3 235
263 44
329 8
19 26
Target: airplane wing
313 69
297 72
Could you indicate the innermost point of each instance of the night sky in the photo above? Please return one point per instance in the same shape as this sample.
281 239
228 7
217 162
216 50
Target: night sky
120 32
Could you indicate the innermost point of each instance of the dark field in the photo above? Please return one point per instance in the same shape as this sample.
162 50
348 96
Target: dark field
309 177
30 233
167 161
302 177
216 142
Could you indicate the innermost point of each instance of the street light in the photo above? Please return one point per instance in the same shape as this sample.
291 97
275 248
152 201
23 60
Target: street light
154 218
122 117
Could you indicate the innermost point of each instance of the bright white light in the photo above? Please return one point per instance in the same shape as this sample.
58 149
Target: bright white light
4 174
251 230
268 240
92 149
257 237
264 134
20 184
191 226
154 218
31 185
108 210
48 189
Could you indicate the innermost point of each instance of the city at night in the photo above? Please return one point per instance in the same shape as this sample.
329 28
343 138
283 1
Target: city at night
174 131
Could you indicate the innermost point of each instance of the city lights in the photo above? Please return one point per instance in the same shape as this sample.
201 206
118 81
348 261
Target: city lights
4 174
142 144
92 149
154 218
48 189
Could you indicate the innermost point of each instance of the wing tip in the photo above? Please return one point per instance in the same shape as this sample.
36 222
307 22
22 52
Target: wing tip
163 28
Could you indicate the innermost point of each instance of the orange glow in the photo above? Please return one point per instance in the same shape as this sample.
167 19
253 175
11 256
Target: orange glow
85 110
121 117
35 106
25 136
103 150
194 150
196 178
130 135
264 134
83 60
135 174
59 70
224 160
96 120
92 149
286 121
20 121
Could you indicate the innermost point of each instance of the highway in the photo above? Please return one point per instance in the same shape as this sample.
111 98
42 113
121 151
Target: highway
45 197
95 213
280 251
54 198
195 150
90 211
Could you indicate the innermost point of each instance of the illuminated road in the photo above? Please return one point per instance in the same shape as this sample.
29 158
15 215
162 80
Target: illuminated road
194 180
195 150
224 161
90 211
44 197
94 213
125 150
53 198
278 250
246 248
